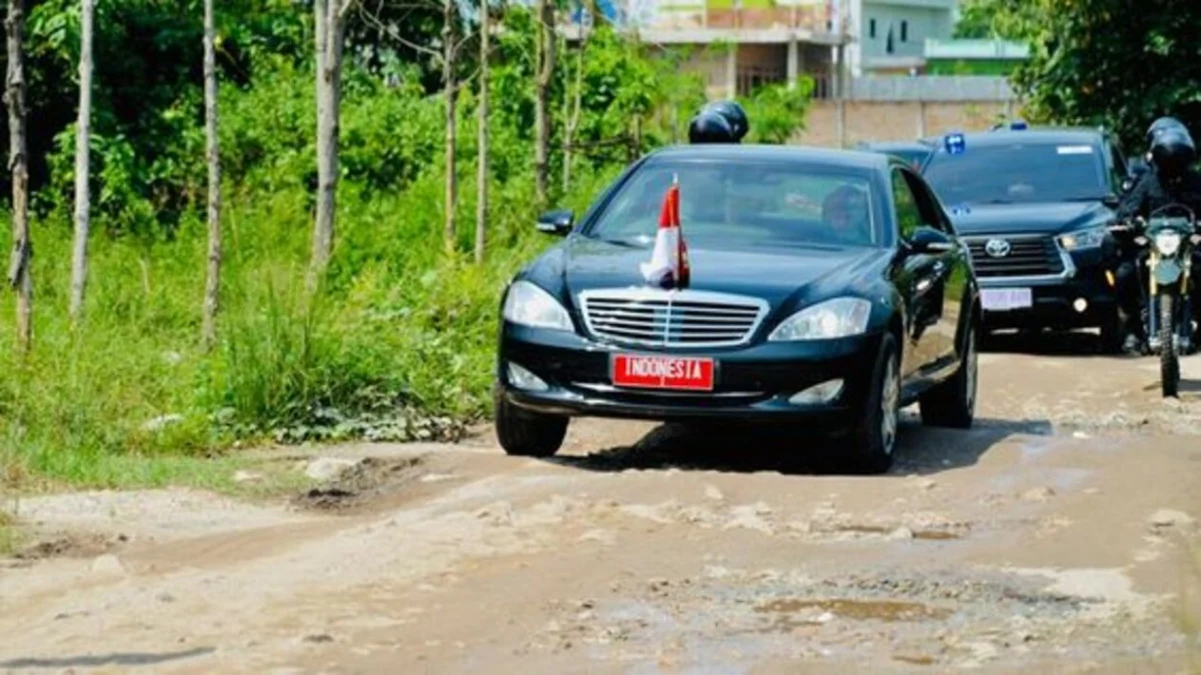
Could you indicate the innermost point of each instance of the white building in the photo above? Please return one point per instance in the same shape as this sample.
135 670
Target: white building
889 36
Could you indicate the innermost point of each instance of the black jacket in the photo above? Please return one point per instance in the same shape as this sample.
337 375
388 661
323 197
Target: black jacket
1153 192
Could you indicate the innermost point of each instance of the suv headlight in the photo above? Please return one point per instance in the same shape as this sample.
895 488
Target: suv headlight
1079 240
1167 243
529 305
837 318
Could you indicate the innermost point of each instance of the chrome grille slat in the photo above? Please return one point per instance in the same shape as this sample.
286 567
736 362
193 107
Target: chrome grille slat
663 318
1028 256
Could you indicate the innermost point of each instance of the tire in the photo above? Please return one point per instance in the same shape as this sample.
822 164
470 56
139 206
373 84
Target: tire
873 440
528 434
1169 361
952 404
1112 335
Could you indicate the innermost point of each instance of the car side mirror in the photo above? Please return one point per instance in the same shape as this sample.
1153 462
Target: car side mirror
558 222
927 239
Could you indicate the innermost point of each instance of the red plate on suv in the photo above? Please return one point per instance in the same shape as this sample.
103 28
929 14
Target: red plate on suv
684 373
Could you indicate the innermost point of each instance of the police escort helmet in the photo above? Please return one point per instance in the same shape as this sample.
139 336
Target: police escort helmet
710 127
1173 151
1163 124
734 114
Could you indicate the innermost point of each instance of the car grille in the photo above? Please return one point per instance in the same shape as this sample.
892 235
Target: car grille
686 318
1027 257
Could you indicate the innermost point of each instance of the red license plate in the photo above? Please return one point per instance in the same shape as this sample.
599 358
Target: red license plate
663 372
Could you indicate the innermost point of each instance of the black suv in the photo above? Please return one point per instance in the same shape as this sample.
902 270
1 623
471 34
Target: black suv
1033 206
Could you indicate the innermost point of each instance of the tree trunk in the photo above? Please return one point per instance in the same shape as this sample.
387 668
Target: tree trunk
545 65
481 179
573 120
18 164
79 258
448 78
330 29
212 287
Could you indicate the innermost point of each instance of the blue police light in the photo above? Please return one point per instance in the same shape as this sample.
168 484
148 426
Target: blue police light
955 144
1019 125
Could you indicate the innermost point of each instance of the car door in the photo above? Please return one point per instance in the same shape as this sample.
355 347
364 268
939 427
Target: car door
915 280
951 277
933 313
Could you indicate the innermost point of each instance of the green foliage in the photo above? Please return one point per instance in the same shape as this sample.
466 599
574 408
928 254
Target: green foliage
778 112
399 341
1120 63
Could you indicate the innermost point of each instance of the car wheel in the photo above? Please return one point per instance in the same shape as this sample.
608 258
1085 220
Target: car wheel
874 439
1112 335
953 403
528 434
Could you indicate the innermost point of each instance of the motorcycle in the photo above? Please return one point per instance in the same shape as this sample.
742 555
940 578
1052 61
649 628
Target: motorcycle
1169 241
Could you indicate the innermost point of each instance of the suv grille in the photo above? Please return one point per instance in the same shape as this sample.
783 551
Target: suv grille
654 317
1027 257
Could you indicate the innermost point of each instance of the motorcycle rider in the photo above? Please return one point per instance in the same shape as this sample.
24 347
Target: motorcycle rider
1170 180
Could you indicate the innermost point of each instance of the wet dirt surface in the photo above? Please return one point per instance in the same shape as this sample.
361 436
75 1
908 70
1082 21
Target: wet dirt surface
1053 537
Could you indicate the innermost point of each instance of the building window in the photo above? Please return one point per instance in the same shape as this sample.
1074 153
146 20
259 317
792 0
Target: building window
889 48
871 28
904 31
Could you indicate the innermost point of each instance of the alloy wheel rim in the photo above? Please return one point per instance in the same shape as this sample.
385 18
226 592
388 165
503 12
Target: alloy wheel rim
888 404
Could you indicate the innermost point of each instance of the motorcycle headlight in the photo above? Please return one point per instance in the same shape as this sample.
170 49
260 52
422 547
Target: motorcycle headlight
1167 243
529 305
1080 240
841 317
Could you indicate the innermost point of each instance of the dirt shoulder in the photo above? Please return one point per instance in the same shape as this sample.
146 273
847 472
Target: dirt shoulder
1053 537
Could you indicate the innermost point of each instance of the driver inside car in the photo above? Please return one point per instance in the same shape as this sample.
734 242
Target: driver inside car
847 211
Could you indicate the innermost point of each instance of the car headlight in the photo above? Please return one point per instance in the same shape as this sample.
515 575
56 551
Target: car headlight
1092 237
529 305
1167 243
841 317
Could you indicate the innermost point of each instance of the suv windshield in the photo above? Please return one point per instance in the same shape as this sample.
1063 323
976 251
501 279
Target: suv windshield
746 203
1022 171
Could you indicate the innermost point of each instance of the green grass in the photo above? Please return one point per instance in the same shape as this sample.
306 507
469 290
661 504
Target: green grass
399 333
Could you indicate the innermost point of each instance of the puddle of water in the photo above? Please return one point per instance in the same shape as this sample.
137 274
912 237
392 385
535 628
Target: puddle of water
929 535
858 610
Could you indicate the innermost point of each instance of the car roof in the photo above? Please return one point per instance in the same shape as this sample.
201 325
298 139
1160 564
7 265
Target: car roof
923 145
1063 135
846 159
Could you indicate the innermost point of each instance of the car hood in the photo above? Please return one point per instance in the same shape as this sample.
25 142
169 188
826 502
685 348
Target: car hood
773 275
1044 218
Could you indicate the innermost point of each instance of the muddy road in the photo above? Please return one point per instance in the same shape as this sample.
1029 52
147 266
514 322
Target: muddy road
1054 537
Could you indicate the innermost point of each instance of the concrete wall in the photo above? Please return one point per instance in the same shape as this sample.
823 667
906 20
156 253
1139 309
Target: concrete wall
898 121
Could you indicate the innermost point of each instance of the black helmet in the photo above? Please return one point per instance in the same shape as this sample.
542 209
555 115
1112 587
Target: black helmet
1163 124
1173 151
734 114
710 127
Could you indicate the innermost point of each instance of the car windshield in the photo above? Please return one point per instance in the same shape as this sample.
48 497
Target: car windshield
1019 172
746 203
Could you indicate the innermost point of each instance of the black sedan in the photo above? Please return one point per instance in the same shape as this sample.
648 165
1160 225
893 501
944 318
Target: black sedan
827 290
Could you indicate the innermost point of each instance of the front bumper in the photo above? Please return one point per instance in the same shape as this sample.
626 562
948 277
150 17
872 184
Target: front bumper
751 384
1055 298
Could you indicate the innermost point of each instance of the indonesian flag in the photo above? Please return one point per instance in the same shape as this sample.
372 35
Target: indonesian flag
668 267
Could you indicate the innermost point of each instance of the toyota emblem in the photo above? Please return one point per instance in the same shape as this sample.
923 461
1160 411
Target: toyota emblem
997 248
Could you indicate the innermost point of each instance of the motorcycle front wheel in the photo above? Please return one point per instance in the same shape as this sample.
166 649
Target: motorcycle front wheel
1169 361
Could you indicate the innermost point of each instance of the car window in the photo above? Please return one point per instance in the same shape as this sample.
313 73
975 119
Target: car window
753 203
927 204
1118 171
1021 171
909 217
